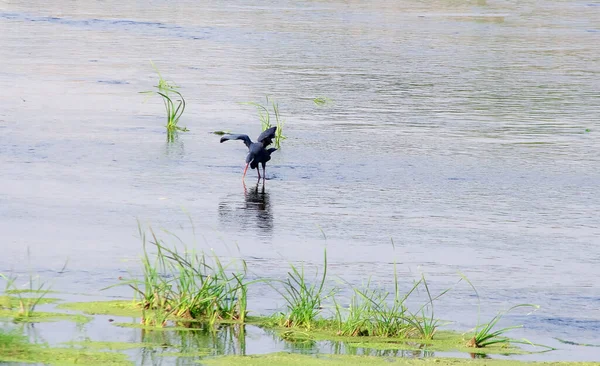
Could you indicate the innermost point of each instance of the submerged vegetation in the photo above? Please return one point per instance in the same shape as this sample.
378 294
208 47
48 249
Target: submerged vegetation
15 347
265 118
168 91
295 359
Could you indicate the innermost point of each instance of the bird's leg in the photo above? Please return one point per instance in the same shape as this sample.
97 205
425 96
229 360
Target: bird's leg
264 171
245 170
258 171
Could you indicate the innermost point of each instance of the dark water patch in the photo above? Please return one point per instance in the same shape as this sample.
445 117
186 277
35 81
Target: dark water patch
113 82
117 24
573 323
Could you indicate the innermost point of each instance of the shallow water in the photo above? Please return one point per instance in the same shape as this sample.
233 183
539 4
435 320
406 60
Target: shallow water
467 133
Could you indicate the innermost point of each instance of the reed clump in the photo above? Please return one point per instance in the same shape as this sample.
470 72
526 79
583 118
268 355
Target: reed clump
303 299
174 104
380 313
187 286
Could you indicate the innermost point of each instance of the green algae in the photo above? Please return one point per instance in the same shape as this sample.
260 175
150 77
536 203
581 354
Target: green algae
23 352
444 341
12 302
113 346
126 308
186 354
294 359
29 291
165 328
40 317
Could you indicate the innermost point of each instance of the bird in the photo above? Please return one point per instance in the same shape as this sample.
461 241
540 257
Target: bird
257 151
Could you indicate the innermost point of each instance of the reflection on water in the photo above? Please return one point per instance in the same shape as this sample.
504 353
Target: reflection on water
253 212
204 340
174 147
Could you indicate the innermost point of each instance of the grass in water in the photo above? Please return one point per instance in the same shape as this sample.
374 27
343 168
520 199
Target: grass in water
28 298
373 313
265 118
191 288
487 334
27 304
303 300
188 286
174 104
425 325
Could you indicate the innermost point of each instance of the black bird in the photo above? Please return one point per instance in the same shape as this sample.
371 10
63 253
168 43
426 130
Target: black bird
257 151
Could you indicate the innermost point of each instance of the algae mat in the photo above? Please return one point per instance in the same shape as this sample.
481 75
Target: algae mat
290 359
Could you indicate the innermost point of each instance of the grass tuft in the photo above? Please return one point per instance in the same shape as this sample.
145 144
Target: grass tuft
187 286
486 334
303 300
265 118
174 104
27 298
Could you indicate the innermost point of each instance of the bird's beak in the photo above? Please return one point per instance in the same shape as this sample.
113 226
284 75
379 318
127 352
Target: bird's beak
245 170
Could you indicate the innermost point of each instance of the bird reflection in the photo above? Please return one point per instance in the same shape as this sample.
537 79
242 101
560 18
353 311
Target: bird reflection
254 211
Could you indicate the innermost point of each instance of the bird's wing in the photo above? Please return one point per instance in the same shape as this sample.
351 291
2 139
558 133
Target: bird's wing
245 138
267 136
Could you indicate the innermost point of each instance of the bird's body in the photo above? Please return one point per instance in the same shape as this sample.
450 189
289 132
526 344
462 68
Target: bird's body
257 151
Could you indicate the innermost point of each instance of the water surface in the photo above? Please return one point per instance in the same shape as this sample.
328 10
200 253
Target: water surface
467 133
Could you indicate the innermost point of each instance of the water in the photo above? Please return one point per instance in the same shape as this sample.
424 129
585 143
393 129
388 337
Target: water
467 133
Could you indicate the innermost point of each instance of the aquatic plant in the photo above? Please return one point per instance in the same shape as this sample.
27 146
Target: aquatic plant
303 300
221 133
187 286
321 101
13 343
265 119
485 334
192 288
15 348
169 91
425 325
36 292
373 313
